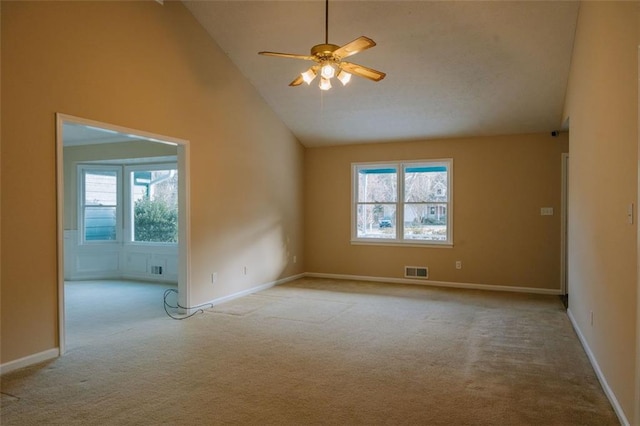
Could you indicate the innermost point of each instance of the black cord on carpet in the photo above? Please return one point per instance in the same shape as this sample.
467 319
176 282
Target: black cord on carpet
199 308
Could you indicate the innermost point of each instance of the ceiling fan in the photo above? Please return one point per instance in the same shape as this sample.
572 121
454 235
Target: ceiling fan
329 60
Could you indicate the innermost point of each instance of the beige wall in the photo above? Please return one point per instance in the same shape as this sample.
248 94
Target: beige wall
499 186
153 68
602 104
74 155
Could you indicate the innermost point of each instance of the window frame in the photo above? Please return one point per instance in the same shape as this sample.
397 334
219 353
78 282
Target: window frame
128 205
81 197
124 206
400 202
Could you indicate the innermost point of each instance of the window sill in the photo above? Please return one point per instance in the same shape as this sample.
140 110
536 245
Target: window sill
150 243
99 243
381 242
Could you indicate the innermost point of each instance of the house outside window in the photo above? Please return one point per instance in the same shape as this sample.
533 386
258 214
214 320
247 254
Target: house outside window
402 202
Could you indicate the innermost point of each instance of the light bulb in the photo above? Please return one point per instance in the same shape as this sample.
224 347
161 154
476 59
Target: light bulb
325 84
328 71
344 77
309 75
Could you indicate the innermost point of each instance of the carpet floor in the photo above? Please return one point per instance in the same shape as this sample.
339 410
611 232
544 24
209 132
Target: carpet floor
325 352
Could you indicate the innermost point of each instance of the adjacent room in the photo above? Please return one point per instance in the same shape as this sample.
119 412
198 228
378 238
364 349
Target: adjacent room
369 212
121 242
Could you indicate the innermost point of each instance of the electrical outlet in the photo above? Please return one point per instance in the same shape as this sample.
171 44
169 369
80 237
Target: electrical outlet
214 277
458 264
245 270
591 318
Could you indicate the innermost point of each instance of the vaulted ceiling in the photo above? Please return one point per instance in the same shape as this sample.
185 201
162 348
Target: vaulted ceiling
454 68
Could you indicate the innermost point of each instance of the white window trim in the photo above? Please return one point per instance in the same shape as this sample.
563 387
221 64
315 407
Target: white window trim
399 240
124 210
128 208
82 168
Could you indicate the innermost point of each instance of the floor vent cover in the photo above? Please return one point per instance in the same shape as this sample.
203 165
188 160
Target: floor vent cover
416 272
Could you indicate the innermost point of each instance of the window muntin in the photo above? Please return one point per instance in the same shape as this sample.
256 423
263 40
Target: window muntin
405 202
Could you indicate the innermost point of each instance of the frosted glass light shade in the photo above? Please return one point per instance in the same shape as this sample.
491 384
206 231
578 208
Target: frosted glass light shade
309 75
328 71
344 77
325 83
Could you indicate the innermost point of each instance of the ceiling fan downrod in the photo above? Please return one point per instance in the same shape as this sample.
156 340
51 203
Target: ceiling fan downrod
326 22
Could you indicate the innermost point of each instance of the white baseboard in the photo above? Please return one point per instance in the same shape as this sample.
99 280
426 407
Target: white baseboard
252 290
594 363
437 283
29 360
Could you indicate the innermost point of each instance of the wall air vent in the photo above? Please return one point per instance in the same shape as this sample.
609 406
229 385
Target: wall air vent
421 272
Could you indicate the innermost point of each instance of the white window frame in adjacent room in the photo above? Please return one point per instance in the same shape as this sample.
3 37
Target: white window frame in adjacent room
397 202
128 205
124 206
82 205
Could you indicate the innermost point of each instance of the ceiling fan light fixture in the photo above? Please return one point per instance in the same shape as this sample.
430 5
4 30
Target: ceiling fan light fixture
309 75
327 71
325 83
344 77
328 60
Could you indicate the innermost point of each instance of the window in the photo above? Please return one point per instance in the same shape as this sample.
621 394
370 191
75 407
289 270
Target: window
99 203
153 216
149 209
405 202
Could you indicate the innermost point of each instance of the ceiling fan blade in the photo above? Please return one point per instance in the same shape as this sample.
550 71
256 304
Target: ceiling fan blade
287 55
361 71
355 46
297 82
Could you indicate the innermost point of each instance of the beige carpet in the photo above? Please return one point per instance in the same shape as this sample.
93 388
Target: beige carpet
95 310
326 352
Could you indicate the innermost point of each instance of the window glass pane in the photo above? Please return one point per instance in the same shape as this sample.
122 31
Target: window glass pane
425 221
100 223
424 183
377 185
100 188
376 221
154 196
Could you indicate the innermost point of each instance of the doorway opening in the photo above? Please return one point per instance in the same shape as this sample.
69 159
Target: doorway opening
123 220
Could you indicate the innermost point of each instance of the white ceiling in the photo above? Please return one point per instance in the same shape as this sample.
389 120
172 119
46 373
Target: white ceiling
80 134
77 134
453 68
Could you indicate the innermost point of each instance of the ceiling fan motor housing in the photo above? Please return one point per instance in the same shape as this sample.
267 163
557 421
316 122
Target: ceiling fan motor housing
324 51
